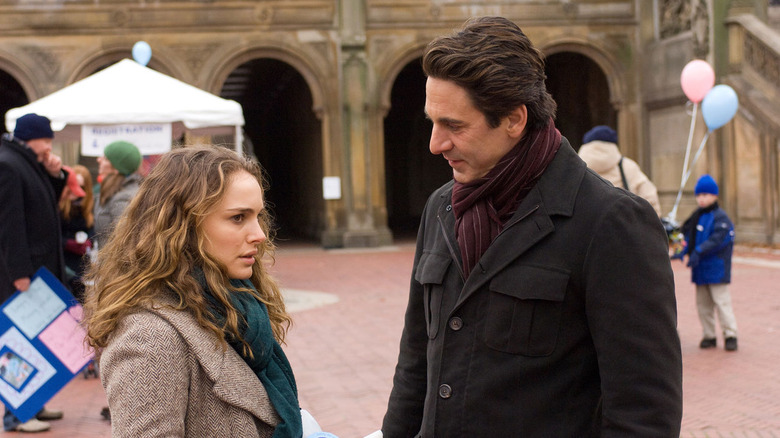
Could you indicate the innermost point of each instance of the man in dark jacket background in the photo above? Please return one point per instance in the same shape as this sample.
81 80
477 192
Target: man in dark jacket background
31 181
542 298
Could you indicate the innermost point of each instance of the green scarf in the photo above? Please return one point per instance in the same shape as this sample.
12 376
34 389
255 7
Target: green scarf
269 361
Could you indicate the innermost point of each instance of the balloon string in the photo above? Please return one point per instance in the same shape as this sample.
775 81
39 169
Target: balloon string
672 215
686 176
688 146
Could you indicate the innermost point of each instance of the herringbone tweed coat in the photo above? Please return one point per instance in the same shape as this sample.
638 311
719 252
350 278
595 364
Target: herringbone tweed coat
164 375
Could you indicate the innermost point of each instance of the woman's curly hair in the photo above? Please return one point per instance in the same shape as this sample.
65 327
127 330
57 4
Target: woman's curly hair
158 244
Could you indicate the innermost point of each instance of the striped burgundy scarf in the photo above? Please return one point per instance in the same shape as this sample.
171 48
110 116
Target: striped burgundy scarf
484 205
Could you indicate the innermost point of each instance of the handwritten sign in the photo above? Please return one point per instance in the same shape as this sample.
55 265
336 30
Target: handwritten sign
41 344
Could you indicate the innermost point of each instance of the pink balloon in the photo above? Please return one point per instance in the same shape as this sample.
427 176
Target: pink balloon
697 79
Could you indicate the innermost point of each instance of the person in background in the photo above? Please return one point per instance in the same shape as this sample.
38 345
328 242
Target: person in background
600 151
77 223
119 182
183 312
709 243
542 300
31 181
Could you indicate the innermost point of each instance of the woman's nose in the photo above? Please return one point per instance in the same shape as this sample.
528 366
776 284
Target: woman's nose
256 234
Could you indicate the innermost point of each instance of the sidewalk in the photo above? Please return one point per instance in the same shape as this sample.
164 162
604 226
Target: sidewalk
348 307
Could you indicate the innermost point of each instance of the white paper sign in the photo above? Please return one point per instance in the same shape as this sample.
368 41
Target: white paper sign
150 138
331 187
24 351
34 309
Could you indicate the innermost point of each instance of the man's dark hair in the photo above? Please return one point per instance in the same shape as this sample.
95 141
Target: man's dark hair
493 60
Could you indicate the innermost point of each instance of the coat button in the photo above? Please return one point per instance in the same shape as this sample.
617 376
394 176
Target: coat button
449 208
456 323
445 391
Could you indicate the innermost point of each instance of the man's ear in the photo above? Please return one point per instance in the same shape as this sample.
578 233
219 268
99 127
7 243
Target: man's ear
518 119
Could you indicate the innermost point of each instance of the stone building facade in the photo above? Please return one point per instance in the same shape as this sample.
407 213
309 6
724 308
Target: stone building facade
333 88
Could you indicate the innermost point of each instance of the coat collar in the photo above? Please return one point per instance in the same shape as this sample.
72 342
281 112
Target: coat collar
553 195
222 365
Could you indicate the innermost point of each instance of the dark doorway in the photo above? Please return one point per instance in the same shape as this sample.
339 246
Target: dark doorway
580 89
11 95
411 171
285 136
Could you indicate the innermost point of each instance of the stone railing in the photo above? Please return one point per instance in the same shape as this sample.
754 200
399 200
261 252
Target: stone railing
755 45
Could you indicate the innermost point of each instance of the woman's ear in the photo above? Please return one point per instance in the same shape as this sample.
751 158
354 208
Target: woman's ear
518 119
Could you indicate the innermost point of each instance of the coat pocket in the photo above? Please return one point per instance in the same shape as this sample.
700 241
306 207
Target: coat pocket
524 310
430 274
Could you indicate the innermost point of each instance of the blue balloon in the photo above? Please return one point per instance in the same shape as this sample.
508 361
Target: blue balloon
142 52
719 106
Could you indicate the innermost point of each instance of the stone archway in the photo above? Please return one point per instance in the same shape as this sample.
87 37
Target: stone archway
283 132
582 103
411 171
12 95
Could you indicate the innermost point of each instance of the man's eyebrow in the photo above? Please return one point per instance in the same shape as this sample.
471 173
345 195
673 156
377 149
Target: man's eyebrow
446 120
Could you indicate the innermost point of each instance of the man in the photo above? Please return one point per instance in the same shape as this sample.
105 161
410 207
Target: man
542 298
31 181
600 152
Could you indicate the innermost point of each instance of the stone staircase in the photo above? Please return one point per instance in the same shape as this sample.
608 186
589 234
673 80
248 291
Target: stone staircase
752 153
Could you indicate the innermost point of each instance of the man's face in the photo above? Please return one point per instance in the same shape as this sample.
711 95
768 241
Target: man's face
41 147
461 133
704 200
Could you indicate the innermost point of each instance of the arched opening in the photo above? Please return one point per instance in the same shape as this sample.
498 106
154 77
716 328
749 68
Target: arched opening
285 135
411 171
582 103
12 95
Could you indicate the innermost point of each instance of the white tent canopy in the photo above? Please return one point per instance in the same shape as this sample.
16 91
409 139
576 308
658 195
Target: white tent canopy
127 93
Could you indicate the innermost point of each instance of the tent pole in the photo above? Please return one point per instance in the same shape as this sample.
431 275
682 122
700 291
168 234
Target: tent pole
239 140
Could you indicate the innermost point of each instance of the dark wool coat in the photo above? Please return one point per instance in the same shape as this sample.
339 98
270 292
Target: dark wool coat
29 217
566 327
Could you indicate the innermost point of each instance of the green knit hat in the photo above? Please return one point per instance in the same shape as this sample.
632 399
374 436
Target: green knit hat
124 156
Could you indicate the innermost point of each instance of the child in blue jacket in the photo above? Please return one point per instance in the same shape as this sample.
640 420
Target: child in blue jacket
709 236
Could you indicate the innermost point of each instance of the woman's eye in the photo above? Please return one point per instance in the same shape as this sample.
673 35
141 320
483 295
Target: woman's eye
237 218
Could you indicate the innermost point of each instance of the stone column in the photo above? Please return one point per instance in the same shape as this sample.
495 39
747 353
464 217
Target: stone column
361 228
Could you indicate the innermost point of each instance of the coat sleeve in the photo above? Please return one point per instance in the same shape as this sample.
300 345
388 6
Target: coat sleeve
720 236
641 185
13 231
405 408
144 371
632 313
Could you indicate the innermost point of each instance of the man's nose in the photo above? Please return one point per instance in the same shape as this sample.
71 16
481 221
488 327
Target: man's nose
439 141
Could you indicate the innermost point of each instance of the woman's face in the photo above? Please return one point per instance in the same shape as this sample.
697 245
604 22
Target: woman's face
105 167
232 229
80 180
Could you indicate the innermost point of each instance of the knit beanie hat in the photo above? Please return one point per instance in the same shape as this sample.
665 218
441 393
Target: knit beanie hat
124 156
706 184
32 126
601 132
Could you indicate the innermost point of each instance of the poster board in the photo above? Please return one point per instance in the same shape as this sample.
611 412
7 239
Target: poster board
41 344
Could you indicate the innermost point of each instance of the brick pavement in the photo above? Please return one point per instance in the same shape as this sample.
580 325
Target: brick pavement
343 353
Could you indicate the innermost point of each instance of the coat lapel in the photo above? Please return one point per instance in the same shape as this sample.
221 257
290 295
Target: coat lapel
553 195
234 382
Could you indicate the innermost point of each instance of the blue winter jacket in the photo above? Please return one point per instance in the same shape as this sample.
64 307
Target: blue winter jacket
714 243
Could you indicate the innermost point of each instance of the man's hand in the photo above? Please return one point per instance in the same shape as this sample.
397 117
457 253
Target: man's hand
53 164
22 284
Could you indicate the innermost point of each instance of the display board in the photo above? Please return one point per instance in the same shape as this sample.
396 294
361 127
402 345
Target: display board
41 344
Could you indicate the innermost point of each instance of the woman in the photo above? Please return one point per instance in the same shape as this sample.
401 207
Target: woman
119 182
77 223
183 311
